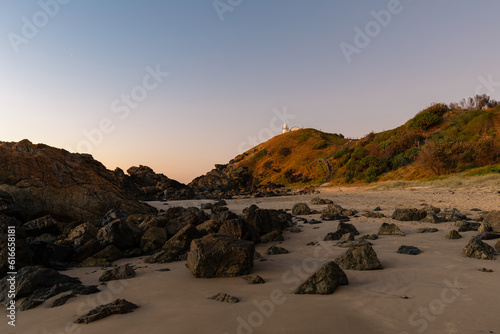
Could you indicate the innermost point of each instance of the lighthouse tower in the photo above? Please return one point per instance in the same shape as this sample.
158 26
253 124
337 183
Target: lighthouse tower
285 128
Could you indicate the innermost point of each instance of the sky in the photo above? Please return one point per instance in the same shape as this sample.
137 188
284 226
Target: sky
182 85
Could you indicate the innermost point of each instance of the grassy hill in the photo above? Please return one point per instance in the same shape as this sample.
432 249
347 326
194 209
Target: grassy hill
437 141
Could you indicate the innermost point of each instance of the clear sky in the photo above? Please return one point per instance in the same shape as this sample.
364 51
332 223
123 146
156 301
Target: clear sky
182 85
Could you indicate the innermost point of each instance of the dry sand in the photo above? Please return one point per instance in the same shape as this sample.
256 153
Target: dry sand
446 292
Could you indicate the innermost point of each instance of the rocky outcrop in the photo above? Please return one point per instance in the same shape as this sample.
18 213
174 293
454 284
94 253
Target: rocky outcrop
41 226
265 221
153 239
409 214
479 250
220 256
120 272
119 306
42 179
362 257
120 233
239 229
325 281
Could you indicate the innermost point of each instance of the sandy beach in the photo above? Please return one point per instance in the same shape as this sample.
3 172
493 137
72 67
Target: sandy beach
438 291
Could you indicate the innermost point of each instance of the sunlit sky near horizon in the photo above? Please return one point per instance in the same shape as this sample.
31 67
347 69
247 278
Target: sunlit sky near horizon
182 85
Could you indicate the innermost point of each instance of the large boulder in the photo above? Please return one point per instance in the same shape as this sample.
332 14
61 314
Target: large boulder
121 233
182 240
51 255
409 214
301 209
220 256
266 221
42 179
40 226
337 210
361 257
82 234
493 220
10 208
153 240
325 281
239 229
479 250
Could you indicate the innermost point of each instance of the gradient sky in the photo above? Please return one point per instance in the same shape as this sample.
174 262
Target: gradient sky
228 78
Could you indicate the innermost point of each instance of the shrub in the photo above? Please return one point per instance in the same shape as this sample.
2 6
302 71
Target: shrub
340 153
285 151
423 120
320 145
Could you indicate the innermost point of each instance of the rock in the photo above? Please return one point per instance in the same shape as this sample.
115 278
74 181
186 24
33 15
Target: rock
453 234
61 300
372 214
164 256
207 206
389 229
347 237
320 201
342 228
254 279
427 230
409 250
296 230
314 221
452 215
301 209
409 214
39 226
353 243
70 187
153 239
488 236
378 208
151 221
331 217
265 221
82 234
239 229
9 208
224 298
209 227
369 237
272 236
110 216
220 256
110 253
51 255
493 219
275 250
120 233
119 306
362 257
85 251
497 246
479 250
467 226
182 239
39 296
120 272
337 210
484 227
431 218
93 262
32 278
325 281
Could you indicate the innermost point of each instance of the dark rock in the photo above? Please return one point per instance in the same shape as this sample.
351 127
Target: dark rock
224 298
209 227
85 251
82 234
110 253
409 214
119 306
9 208
497 246
372 214
120 272
353 243
314 221
61 300
337 210
51 255
362 257
377 209
493 219
431 218
301 209
153 239
369 237
452 215
220 256
120 233
272 236
488 236
479 250
275 250
39 226
164 256
265 221
389 229
296 230
40 296
320 201
468 226
409 250
110 216
453 234
254 279
347 237
331 217
427 230
484 227
239 229
325 281
207 206
342 228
